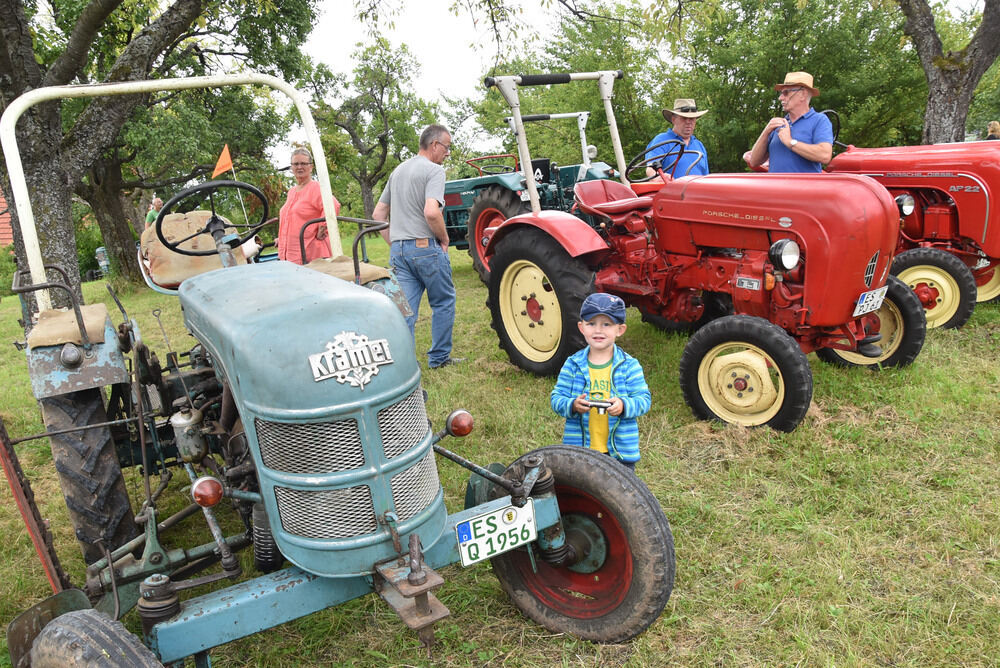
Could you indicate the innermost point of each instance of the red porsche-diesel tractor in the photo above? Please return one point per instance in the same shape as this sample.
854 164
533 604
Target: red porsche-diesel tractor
949 242
766 268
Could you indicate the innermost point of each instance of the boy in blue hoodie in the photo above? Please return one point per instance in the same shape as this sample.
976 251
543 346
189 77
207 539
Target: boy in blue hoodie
601 390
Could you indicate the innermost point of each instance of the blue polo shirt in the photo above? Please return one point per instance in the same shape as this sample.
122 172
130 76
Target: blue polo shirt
810 128
686 160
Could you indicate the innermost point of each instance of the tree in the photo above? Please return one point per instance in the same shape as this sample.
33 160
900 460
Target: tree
35 52
379 114
952 76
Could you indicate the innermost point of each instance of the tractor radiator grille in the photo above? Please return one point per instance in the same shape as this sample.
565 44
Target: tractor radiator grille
870 270
329 513
403 425
324 447
414 488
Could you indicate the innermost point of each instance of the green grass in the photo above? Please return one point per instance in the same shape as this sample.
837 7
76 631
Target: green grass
866 537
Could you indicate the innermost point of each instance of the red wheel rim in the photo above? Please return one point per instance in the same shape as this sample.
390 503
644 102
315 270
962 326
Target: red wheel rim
581 595
487 218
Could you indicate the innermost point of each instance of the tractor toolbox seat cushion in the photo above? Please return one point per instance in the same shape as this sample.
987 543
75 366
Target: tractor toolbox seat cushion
342 267
168 269
57 326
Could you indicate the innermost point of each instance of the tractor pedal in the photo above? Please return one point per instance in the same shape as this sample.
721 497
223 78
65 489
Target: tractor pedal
867 347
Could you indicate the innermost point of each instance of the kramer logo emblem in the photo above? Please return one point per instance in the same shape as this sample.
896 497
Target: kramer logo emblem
350 358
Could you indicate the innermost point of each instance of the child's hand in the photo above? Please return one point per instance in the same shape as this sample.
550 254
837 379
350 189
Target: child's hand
617 406
580 404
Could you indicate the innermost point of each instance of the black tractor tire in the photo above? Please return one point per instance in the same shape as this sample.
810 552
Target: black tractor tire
946 283
747 371
535 293
491 206
620 596
903 329
267 558
89 638
717 305
89 472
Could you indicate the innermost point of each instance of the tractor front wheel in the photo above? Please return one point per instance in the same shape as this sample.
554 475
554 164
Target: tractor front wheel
944 285
89 638
89 472
536 290
625 580
903 326
747 371
491 206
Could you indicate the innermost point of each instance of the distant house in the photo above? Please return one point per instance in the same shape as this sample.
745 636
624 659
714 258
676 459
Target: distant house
6 231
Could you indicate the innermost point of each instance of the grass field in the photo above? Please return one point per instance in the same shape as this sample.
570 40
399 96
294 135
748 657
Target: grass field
868 537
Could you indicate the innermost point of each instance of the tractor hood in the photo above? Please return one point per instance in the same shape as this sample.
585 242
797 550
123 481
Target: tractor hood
847 227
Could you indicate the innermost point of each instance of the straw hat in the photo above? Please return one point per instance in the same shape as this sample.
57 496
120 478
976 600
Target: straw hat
798 80
684 106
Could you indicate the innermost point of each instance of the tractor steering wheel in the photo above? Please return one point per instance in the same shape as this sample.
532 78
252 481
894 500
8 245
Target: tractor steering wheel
216 225
497 169
641 161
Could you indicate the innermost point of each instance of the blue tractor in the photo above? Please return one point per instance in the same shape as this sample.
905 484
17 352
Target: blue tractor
500 190
327 469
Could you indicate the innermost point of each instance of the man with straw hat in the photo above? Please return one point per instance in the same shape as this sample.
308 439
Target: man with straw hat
683 117
801 140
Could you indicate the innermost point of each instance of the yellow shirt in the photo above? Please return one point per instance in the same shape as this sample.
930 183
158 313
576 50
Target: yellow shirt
600 390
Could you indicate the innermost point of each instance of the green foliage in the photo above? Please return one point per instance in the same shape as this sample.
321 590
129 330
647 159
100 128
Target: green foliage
7 267
88 238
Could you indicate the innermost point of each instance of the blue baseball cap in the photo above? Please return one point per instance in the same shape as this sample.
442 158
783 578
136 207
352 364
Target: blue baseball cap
601 303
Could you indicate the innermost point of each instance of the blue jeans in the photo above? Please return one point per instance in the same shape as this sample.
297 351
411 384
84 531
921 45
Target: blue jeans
419 269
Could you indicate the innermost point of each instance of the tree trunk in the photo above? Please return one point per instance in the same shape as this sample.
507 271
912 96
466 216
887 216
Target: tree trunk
104 195
952 77
367 196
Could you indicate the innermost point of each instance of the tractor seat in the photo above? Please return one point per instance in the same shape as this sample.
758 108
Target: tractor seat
168 269
613 200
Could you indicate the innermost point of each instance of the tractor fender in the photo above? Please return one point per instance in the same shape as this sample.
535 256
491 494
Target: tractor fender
577 237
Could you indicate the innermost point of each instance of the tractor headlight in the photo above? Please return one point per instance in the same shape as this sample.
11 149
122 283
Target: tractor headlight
591 151
784 254
906 204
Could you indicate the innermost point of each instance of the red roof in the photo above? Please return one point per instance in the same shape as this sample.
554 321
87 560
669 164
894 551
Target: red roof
6 232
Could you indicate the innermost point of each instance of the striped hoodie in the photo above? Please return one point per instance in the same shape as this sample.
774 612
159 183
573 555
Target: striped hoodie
627 383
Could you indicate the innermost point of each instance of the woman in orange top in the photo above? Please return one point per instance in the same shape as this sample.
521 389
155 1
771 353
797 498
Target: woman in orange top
304 203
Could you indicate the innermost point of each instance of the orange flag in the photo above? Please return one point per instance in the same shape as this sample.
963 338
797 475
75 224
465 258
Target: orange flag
224 164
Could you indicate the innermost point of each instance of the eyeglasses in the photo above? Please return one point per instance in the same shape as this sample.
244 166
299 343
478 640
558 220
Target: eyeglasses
301 164
447 147
686 110
788 92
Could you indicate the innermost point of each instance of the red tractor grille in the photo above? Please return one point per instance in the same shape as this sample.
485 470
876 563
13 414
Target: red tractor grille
870 269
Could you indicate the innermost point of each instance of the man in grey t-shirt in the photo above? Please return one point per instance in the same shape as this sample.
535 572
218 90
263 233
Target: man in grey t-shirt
418 240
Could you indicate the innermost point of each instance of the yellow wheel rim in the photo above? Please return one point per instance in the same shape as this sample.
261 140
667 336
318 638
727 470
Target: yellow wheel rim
891 329
990 288
741 384
530 311
937 290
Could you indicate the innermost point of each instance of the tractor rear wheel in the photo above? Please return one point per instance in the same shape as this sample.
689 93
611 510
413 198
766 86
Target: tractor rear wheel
747 371
903 327
89 638
623 584
491 206
89 472
942 282
717 305
536 290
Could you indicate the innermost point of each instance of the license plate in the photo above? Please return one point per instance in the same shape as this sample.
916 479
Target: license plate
870 301
497 532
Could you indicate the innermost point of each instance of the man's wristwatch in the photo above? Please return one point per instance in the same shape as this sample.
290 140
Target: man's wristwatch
792 143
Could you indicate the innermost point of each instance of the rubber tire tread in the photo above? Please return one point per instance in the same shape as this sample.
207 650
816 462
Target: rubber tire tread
776 342
650 540
954 267
89 638
89 472
716 306
492 197
570 278
267 558
914 330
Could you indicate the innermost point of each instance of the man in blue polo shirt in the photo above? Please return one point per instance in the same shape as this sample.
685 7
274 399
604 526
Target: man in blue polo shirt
801 140
683 117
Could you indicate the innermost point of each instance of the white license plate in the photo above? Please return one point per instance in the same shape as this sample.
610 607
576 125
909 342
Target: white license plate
497 532
870 301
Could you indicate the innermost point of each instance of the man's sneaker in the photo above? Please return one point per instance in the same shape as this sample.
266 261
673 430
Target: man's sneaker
449 362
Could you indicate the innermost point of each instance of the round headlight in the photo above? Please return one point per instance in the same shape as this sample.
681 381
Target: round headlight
784 254
906 203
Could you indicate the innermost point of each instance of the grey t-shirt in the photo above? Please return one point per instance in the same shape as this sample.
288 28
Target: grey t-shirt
410 185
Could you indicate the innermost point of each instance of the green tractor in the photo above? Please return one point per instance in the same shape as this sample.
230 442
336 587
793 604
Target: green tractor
499 190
